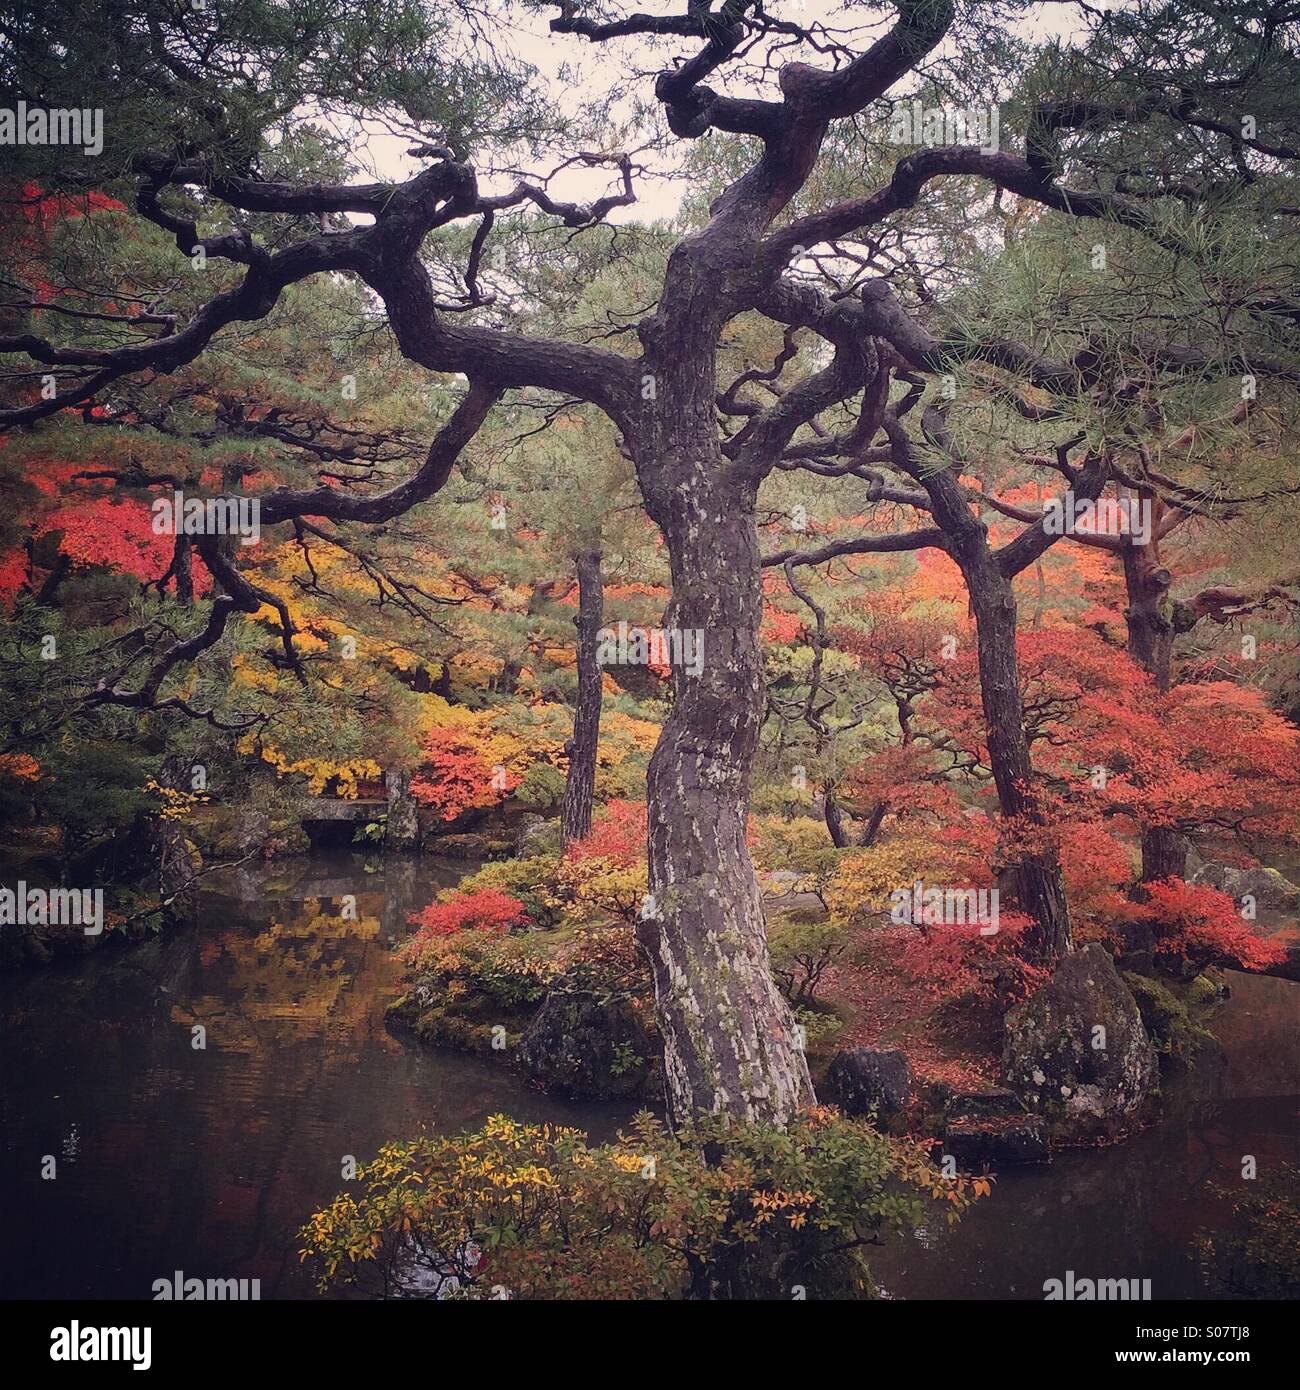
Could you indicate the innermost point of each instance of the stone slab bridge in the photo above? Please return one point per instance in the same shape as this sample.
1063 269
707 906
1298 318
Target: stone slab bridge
330 822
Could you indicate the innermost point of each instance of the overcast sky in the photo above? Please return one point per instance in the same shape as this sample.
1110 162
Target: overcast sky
586 66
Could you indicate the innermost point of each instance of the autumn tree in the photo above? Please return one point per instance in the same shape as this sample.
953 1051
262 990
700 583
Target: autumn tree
200 111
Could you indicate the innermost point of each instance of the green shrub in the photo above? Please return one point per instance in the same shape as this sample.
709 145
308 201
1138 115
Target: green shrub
469 971
798 845
1203 991
818 1028
536 1212
542 787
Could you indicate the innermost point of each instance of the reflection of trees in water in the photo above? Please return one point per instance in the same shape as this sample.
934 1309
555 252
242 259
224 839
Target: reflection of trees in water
303 974
209 1160
287 1006
1259 1027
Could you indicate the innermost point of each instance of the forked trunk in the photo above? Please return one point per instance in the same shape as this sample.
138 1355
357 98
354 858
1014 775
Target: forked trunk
840 837
1034 873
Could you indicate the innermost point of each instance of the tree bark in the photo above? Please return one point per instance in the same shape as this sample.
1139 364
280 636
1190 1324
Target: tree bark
730 1041
1035 874
580 783
871 829
184 569
1164 853
834 818
1039 886
840 837
1149 617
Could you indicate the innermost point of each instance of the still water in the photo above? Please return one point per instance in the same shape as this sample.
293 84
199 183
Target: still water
207 1160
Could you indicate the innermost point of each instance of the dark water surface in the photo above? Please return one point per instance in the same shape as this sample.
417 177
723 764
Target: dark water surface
208 1161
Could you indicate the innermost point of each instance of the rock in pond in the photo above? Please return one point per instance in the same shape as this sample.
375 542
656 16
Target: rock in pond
1267 887
402 831
1077 1051
589 1046
991 1128
467 846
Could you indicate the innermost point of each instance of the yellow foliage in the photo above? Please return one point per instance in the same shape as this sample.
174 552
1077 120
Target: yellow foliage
176 805
601 888
317 771
864 879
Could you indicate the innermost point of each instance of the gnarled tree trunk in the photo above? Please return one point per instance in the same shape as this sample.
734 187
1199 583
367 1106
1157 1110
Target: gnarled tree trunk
580 783
730 1041
1035 874
1149 611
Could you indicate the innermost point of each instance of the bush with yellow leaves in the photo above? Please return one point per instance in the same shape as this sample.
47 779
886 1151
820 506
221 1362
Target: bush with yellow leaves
720 1211
860 888
798 845
600 889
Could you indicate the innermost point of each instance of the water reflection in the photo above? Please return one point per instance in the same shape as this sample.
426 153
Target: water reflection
170 1155
205 1151
1131 1211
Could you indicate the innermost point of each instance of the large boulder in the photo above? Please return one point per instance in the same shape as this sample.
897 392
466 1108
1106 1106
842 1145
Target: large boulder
589 1046
871 1080
1269 888
1077 1050
251 830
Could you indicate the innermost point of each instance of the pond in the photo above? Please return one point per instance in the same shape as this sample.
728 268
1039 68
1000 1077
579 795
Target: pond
207 1159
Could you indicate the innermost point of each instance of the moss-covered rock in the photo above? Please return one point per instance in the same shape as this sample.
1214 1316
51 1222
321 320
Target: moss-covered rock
1268 887
873 1081
1167 1018
1077 1051
466 1023
480 847
590 1046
